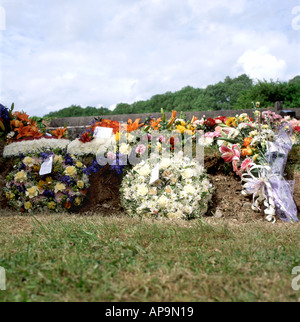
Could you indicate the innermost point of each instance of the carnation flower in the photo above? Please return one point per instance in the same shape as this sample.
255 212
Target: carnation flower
59 187
141 149
111 156
21 177
71 171
59 159
34 146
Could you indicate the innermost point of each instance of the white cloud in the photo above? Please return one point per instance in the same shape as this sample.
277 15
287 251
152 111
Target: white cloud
260 64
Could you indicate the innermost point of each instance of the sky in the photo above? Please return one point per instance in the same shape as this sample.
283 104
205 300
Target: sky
55 53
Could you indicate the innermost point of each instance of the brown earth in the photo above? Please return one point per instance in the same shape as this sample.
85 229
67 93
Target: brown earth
103 195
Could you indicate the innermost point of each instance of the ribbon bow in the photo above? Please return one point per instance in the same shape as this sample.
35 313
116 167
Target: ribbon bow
261 189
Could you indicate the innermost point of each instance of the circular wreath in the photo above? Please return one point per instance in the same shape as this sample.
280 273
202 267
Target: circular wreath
63 189
183 190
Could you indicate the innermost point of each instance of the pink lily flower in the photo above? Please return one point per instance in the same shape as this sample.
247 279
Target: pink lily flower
247 164
236 168
229 155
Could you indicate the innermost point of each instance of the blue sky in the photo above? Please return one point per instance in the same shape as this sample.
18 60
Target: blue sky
100 53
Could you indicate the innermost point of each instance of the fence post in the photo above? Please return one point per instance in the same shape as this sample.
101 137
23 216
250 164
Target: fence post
279 106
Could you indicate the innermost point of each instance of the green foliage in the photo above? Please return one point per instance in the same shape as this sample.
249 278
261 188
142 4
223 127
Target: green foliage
232 93
76 110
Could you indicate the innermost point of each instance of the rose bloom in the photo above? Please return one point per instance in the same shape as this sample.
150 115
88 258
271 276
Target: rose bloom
80 184
29 162
32 192
165 163
145 170
70 171
142 190
21 177
28 205
188 173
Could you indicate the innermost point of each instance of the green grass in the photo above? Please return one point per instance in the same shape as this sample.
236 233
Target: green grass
72 258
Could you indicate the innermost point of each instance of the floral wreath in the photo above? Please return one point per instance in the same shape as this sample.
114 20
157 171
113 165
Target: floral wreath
182 191
64 188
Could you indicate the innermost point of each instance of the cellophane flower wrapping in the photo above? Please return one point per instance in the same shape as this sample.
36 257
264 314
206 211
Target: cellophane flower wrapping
282 190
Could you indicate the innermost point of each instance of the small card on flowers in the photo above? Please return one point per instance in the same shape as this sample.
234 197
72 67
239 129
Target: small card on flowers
154 174
103 132
46 167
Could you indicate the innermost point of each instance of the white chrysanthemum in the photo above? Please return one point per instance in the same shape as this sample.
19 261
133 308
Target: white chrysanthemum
33 146
189 189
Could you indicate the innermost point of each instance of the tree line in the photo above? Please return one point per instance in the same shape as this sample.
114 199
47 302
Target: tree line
232 93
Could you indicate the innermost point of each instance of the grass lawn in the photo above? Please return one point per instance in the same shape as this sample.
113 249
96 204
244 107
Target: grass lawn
73 258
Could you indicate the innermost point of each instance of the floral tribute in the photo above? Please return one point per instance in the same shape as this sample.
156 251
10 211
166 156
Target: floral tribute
181 191
88 144
258 151
23 135
137 141
63 189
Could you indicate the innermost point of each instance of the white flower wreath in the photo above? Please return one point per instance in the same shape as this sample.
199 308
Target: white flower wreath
182 191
